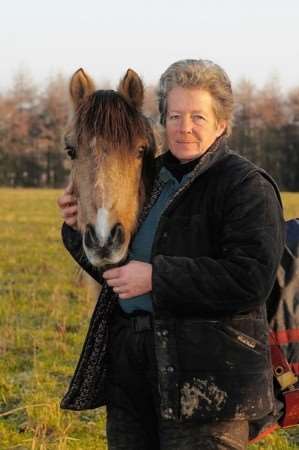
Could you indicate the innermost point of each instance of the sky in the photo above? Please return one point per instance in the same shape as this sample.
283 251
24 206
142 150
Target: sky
254 39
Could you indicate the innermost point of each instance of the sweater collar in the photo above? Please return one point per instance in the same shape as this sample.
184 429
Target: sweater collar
176 168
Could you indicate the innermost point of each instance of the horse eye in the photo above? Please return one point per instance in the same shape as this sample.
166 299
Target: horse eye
141 151
71 151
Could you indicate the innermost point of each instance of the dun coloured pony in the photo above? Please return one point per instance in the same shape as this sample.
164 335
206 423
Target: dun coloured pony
112 147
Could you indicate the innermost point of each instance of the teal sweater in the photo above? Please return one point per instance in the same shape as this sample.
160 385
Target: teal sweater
141 246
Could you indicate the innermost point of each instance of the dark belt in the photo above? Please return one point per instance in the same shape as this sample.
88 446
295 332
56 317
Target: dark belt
137 320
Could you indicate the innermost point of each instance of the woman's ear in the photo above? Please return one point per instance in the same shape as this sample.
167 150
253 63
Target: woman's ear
221 126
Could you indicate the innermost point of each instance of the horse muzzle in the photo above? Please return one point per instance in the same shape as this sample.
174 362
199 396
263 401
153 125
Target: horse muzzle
104 251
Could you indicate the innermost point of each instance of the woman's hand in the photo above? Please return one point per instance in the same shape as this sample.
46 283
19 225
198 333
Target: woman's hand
68 205
130 280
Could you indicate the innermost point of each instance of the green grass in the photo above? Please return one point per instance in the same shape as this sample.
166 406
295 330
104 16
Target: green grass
43 320
291 204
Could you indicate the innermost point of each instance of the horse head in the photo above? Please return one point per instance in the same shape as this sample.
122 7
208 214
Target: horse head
112 148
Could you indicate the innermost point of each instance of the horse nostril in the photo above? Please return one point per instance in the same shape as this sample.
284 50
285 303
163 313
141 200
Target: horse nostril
90 238
117 234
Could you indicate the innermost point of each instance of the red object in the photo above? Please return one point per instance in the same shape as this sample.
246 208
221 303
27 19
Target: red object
277 356
291 414
290 392
295 367
287 336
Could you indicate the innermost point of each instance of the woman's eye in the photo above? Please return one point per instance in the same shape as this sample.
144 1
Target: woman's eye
174 116
197 117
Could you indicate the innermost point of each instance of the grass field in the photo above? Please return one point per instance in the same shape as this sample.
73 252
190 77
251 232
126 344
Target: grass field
43 320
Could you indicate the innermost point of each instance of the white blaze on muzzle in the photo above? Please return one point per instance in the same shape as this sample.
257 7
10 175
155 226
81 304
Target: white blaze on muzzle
102 226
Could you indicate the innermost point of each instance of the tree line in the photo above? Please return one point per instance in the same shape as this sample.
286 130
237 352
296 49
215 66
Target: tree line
33 120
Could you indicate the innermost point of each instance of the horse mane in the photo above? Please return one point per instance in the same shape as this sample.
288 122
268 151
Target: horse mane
107 115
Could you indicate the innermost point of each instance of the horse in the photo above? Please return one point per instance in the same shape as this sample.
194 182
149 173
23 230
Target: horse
112 147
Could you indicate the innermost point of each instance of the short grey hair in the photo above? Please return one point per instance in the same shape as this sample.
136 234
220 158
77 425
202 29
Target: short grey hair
202 74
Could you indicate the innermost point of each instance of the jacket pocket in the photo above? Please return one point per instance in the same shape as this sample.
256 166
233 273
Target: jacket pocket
214 347
224 373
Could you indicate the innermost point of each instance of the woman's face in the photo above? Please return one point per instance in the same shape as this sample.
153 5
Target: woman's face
191 125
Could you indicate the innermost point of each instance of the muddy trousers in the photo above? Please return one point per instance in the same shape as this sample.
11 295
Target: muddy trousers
133 419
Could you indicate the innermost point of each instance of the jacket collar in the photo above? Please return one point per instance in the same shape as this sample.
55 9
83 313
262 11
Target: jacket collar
216 152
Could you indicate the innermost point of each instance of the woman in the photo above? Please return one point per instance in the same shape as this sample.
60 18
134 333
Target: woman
187 364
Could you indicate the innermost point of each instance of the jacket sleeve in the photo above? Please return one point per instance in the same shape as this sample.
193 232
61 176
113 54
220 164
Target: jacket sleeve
72 240
251 245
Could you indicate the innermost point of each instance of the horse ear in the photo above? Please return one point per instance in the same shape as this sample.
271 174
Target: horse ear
81 85
131 87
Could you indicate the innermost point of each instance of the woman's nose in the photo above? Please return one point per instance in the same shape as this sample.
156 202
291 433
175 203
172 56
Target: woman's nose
186 124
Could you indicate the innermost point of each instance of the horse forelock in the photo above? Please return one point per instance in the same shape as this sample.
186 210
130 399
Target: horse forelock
107 116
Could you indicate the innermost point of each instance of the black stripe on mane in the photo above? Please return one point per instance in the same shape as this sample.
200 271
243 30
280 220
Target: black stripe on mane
107 115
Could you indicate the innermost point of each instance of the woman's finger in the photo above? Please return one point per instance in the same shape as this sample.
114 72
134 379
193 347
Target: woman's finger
125 295
111 273
70 211
115 282
66 200
120 290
